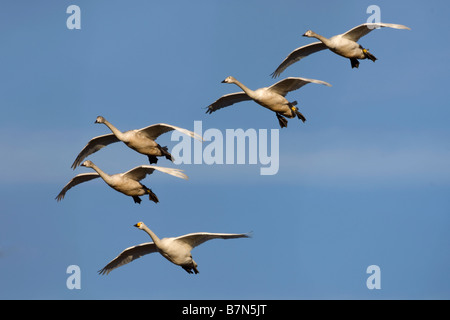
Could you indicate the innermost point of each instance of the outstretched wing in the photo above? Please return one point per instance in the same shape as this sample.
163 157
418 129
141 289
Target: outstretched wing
227 100
360 31
83 177
196 239
154 131
297 55
93 146
128 255
140 172
290 84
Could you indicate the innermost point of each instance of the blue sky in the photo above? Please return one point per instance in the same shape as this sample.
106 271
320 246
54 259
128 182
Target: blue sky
365 181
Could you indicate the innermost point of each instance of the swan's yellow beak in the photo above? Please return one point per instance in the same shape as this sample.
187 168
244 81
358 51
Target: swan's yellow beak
137 225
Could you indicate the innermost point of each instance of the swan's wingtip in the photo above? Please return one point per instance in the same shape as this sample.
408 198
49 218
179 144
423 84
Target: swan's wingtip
182 175
325 83
274 75
103 272
198 137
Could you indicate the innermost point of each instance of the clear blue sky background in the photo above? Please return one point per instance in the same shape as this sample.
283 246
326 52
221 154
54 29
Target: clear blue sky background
364 181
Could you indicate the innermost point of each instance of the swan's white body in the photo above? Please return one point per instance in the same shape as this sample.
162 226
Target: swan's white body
126 183
176 250
272 98
345 45
140 140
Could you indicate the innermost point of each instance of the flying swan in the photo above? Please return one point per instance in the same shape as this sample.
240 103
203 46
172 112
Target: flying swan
342 44
126 183
141 140
272 98
176 250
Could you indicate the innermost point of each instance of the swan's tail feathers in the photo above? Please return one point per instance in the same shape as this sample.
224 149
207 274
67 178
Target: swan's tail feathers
165 153
282 120
354 62
152 159
151 195
137 199
368 55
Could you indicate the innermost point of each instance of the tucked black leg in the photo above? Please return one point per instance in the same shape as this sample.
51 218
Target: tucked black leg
282 120
368 55
300 115
166 153
151 195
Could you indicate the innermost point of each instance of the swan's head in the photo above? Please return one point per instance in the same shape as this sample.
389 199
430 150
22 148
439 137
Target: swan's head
309 33
139 225
229 79
99 119
87 163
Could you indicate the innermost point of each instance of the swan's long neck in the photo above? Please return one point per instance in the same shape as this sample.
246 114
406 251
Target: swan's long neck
248 91
102 174
152 235
325 41
114 130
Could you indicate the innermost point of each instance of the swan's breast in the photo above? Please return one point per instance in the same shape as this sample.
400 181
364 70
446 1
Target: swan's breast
126 185
344 47
139 140
267 98
174 251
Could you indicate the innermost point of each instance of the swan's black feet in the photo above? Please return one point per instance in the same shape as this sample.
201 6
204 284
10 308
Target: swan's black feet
354 62
152 159
189 269
282 120
137 199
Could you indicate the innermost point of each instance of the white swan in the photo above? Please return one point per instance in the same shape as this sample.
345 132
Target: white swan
141 140
176 250
272 98
342 44
126 183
